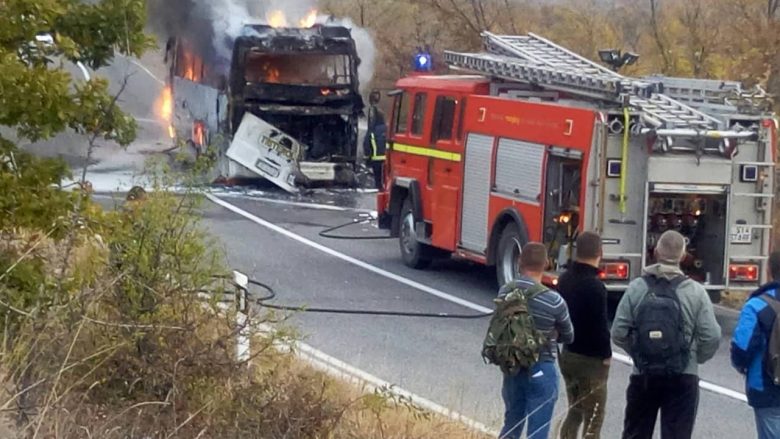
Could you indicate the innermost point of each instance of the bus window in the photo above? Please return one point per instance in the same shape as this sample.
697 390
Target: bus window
418 115
401 112
444 118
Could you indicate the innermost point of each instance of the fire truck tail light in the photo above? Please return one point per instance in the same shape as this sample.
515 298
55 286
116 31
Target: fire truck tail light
743 272
615 270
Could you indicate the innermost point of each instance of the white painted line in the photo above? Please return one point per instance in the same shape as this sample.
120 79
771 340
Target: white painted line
350 259
341 370
250 196
149 121
143 67
424 288
706 385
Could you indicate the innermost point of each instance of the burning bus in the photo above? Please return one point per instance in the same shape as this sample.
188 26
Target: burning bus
285 108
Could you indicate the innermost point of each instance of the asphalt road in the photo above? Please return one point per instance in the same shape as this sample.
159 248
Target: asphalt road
437 359
434 358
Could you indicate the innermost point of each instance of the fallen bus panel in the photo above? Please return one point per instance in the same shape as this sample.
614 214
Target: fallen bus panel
267 151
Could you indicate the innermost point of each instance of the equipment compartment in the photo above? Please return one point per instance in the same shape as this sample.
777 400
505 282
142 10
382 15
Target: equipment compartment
701 219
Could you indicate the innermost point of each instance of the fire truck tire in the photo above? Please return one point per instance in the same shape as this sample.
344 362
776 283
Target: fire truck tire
508 251
414 253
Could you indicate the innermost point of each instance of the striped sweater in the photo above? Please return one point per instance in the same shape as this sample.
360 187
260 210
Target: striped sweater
550 314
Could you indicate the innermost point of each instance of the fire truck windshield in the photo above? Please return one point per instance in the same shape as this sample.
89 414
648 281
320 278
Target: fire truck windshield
315 69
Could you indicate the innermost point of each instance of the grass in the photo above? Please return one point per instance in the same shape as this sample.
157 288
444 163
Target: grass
370 413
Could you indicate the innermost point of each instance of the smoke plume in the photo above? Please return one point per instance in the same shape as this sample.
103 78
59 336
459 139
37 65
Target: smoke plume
211 26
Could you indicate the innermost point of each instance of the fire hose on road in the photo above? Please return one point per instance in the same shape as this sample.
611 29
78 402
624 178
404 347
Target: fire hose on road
361 219
270 294
245 297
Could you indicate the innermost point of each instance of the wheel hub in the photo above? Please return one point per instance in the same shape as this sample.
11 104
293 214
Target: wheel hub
408 235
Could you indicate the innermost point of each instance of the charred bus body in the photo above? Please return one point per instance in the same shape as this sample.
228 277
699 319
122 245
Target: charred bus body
296 93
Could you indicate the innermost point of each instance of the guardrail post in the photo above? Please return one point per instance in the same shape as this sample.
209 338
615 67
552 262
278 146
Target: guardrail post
242 317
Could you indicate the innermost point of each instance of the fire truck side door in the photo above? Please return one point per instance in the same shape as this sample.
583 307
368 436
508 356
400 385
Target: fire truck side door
562 200
443 181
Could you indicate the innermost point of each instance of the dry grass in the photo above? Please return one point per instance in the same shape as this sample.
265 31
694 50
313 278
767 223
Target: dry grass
366 413
92 369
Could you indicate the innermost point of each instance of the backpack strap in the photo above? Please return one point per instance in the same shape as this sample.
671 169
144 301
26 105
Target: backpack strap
535 290
675 282
773 302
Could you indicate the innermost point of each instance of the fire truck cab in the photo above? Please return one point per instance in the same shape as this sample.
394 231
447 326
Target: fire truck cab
477 166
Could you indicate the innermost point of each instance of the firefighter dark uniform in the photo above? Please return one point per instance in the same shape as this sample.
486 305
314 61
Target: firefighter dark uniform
375 146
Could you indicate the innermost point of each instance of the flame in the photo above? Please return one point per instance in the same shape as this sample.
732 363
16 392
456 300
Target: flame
309 20
277 18
272 73
199 133
164 105
171 132
191 65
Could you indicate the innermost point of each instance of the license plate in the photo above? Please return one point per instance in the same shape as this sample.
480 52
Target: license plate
741 235
267 169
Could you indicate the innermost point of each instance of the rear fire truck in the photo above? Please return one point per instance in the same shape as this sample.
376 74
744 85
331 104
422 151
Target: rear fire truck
287 109
535 143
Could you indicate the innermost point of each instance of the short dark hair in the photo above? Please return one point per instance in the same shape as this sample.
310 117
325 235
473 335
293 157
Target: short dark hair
588 245
533 257
774 265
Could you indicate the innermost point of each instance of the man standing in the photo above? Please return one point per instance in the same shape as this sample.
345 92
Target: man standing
531 394
666 322
750 348
585 363
375 141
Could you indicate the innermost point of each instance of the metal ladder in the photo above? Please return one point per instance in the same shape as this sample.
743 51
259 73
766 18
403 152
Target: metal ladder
535 60
714 96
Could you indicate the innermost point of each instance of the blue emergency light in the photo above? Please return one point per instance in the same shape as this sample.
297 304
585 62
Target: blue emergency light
423 62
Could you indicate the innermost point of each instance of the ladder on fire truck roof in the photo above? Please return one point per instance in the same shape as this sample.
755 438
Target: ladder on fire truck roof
716 97
535 60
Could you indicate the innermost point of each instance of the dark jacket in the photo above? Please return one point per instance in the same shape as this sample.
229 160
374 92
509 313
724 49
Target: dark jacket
375 141
749 344
586 297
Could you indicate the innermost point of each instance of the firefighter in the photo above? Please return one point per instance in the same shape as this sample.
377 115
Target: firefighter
375 144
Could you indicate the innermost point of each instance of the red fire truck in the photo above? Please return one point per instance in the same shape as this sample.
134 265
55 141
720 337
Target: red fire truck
542 144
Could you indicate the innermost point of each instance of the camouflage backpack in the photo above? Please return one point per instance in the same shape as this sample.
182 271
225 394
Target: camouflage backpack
512 342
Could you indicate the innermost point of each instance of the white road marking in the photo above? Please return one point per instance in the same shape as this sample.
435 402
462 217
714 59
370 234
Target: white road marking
145 69
259 197
339 369
350 259
424 288
149 121
706 385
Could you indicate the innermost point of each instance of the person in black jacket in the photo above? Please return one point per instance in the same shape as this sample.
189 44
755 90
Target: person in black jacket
585 363
375 145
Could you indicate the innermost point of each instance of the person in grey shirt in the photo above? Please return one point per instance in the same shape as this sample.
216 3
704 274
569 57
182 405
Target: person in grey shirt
531 394
675 395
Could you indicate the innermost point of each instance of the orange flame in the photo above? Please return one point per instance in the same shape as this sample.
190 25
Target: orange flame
199 133
190 65
272 74
164 105
309 20
277 18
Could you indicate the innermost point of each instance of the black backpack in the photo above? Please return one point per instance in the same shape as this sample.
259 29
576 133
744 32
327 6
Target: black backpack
658 340
772 357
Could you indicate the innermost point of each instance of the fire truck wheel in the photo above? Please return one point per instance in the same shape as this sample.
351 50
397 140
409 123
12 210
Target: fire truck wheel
509 246
414 253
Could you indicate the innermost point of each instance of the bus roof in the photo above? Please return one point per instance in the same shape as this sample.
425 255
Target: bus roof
459 83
